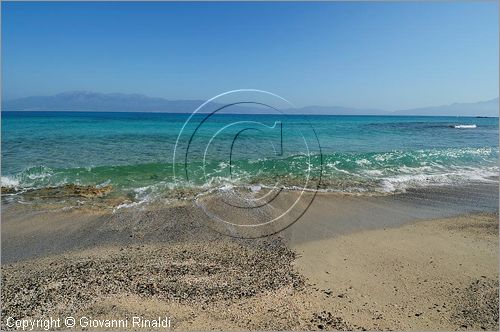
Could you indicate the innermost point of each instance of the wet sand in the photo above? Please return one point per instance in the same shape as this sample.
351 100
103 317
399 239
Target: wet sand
349 263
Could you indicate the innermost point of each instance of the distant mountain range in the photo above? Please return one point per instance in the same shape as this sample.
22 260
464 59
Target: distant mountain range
481 108
118 102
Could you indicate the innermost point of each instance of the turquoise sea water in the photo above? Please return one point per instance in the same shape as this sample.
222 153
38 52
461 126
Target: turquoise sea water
134 151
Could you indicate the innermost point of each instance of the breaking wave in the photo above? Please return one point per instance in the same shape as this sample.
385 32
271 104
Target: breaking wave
360 173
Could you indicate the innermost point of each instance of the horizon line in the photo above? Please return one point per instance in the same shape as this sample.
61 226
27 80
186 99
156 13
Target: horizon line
237 113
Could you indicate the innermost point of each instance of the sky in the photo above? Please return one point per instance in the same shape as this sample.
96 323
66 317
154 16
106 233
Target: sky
384 55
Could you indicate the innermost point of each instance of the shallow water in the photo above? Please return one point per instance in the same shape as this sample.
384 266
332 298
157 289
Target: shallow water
133 152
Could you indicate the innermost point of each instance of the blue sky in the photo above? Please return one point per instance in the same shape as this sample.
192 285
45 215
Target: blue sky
369 55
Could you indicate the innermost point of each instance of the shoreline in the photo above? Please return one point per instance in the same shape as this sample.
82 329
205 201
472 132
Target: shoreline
34 231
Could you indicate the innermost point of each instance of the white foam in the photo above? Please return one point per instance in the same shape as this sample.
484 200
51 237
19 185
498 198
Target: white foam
9 182
255 188
226 187
100 185
453 177
126 206
373 172
363 162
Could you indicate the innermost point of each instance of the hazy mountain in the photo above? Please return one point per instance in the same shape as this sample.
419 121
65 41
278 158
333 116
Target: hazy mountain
119 102
482 108
337 110
92 101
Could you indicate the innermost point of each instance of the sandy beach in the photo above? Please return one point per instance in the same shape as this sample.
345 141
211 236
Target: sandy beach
435 274
249 166
405 273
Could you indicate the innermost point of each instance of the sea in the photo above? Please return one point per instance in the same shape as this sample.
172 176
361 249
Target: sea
146 156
